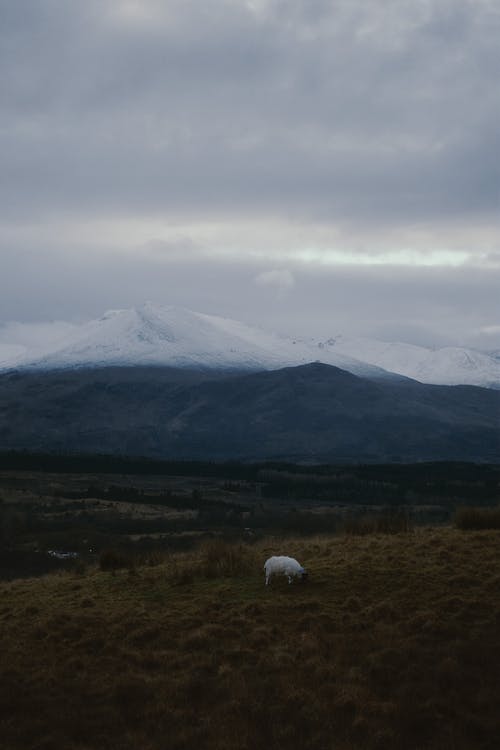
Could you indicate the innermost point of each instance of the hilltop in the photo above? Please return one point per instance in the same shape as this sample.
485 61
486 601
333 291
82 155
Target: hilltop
175 337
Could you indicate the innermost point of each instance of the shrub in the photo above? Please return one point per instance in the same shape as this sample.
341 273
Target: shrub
153 558
79 566
472 519
220 558
386 523
215 559
113 559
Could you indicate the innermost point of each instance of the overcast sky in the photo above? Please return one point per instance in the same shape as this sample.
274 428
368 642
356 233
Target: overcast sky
310 165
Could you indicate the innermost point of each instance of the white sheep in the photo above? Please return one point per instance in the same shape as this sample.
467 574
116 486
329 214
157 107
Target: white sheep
284 566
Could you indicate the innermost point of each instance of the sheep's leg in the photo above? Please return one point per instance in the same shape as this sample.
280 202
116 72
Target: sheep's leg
289 580
267 580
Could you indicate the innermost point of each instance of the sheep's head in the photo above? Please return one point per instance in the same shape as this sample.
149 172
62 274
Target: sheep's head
304 576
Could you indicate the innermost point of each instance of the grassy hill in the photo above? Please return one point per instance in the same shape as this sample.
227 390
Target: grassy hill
393 643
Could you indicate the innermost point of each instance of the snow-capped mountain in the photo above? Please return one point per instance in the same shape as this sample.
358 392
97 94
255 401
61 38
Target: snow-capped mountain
177 337
446 366
10 354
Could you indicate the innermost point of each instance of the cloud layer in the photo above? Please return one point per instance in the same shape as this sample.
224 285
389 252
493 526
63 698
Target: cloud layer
259 132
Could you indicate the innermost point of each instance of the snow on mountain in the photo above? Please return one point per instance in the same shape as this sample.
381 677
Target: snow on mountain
177 337
445 366
10 354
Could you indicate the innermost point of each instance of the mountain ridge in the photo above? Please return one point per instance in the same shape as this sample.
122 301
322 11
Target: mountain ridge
171 336
313 412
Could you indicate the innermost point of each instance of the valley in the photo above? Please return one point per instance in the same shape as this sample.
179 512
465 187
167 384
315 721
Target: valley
85 506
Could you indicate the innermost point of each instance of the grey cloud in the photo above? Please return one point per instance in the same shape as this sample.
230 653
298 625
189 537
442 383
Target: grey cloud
339 111
374 119
35 335
425 306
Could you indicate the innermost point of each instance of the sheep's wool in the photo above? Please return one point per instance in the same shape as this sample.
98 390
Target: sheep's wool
285 566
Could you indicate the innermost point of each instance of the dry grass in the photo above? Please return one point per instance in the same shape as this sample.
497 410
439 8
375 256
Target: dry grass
216 558
383 523
392 644
477 518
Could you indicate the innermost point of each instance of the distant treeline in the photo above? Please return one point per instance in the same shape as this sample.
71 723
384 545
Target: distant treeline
109 464
115 464
411 484
450 483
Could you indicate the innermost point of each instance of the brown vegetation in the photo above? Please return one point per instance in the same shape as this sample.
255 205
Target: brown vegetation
478 518
381 523
392 644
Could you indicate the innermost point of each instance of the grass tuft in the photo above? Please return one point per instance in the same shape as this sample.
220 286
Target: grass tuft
114 559
386 523
216 558
220 558
475 519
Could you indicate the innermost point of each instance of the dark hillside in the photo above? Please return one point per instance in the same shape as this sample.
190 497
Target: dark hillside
315 412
